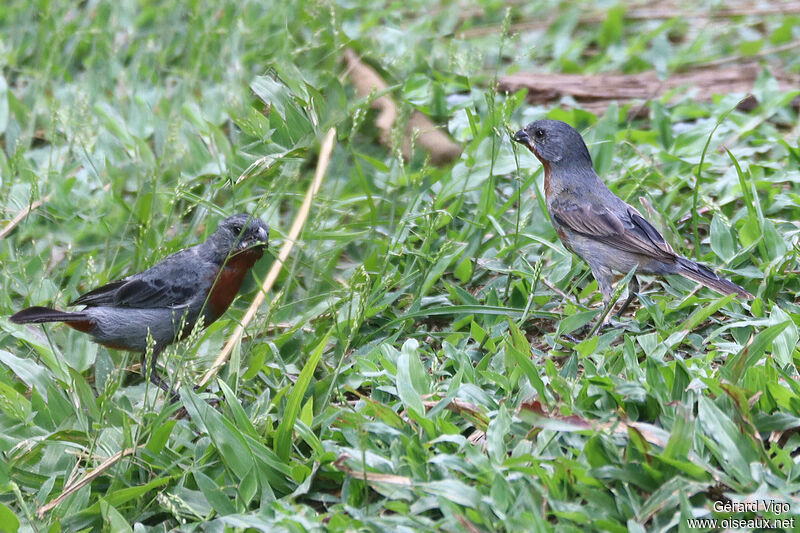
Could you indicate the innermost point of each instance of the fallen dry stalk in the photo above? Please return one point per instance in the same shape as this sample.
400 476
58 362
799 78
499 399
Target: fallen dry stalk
373 477
21 215
461 407
595 91
660 13
294 232
71 488
438 144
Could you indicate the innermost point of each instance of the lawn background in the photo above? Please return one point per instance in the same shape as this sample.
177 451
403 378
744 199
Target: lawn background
423 361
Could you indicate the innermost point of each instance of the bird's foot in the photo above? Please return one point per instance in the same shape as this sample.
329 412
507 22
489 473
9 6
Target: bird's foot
608 323
611 323
159 382
183 413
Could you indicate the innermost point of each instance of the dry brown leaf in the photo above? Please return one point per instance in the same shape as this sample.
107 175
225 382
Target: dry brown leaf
438 144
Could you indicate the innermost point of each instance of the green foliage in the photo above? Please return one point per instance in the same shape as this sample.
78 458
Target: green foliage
424 362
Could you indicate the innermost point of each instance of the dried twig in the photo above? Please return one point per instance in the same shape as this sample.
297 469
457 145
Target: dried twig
466 524
272 275
374 477
595 91
738 58
463 408
661 13
21 215
71 488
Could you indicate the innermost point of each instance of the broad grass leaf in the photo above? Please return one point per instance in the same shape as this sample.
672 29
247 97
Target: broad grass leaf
49 354
118 497
750 232
216 498
733 449
273 473
28 371
663 124
576 321
680 438
496 435
227 439
248 488
668 495
721 239
283 436
455 491
240 417
8 519
412 381
115 520
785 343
448 253
702 313
3 104
775 244
15 405
750 354
526 364
587 346
611 30
463 270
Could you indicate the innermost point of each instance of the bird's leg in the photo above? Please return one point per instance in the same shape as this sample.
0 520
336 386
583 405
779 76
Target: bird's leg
151 373
604 278
633 291
605 317
156 380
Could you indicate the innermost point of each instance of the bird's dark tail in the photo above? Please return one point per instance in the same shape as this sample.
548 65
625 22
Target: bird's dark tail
38 315
706 276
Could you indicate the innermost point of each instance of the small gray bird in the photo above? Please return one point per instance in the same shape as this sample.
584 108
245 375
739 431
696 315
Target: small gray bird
598 226
166 300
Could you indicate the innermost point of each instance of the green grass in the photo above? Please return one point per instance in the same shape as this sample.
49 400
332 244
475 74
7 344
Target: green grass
418 366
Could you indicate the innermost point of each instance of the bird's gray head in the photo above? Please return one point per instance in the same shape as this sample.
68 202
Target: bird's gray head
240 232
555 143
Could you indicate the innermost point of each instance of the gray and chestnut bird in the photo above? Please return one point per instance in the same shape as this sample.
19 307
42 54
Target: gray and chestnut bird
598 226
166 300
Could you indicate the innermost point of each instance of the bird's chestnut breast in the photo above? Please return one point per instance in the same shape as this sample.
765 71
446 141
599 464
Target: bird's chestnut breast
229 279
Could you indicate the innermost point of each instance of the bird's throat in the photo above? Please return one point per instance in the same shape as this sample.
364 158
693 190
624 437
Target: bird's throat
546 165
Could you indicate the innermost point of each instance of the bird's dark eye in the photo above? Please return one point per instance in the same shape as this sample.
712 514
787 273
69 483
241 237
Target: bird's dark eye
237 229
539 133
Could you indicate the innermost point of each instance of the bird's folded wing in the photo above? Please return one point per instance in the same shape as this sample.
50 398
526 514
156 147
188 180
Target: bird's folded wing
100 296
628 231
149 293
140 293
166 284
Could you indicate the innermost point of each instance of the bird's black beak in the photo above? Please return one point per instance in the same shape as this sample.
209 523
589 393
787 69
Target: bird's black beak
521 137
263 235
259 241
